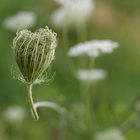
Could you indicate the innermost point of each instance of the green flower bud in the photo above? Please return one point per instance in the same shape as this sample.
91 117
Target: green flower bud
34 52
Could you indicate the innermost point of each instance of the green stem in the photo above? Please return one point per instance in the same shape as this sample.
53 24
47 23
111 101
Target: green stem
89 112
65 37
31 102
89 100
131 123
82 33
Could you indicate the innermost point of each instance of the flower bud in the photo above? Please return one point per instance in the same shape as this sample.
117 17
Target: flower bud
34 52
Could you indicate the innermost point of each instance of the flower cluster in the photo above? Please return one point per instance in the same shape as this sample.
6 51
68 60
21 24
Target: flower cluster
21 20
15 114
93 48
34 52
112 134
92 75
72 13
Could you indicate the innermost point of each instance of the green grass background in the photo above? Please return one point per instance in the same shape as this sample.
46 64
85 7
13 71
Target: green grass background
115 97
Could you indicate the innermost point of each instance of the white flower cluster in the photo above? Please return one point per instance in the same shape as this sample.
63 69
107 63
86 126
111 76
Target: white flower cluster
14 114
95 74
72 12
112 134
63 2
137 106
93 48
21 20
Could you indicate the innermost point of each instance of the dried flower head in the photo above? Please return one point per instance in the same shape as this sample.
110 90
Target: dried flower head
34 53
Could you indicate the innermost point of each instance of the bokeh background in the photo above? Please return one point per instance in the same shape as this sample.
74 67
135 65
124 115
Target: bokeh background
116 97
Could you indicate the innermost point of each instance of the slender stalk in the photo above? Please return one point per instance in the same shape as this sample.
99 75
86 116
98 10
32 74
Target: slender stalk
82 33
51 105
87 99
89 113
65 37
31 102
132 122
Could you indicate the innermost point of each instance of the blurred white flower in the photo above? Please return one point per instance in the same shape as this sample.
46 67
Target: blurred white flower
93 48
72 13
95 74
137 106
69 2
63 2
112 134
14 114
21 20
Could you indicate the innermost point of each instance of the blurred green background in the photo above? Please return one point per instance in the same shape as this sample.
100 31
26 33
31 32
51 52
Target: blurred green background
116 97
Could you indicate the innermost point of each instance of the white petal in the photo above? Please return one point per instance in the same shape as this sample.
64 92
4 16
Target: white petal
94 75
111 134
93 48
19 21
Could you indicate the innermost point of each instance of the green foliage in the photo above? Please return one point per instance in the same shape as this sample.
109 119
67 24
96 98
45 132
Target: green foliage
114 98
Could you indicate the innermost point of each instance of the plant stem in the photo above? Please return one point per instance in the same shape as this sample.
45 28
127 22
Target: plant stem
65 38
82 33
131 123
31 102
89 116
89 109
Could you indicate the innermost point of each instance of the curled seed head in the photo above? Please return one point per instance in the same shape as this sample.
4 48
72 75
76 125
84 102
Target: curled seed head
34 52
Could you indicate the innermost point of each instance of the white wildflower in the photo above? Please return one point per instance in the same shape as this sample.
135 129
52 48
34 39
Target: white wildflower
137 106
70 2
14 114
63 2
73 13
93 48
112 134
95 75
21 20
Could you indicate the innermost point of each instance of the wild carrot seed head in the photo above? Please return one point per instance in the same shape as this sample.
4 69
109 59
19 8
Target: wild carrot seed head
34 52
